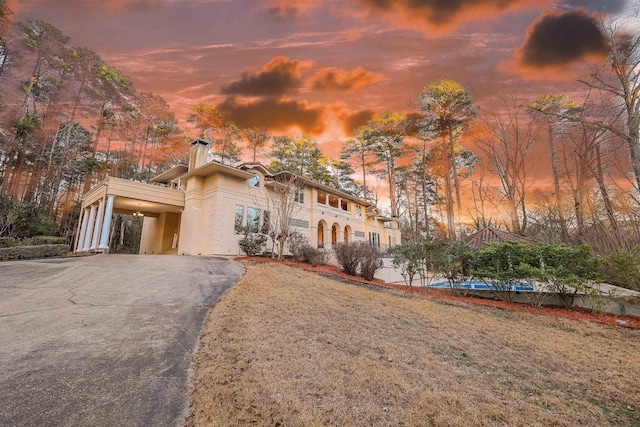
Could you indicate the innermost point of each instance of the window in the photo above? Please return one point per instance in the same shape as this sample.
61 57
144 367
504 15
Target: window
239 217
374 239
253 219
345 205
255 181
322 198
333 201
299 195
300 223
359 212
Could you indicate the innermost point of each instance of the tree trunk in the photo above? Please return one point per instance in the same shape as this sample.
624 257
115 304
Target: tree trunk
556 185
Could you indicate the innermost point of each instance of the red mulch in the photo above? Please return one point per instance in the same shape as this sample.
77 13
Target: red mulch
630 322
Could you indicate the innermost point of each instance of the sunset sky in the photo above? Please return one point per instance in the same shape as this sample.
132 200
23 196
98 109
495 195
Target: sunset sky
320 67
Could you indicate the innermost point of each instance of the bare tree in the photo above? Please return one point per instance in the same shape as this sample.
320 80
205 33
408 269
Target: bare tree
506 143
619 76
281 205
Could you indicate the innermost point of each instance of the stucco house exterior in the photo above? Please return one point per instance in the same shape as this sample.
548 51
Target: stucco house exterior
198 209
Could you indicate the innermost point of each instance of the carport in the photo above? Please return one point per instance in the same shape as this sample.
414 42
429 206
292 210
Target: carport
161 208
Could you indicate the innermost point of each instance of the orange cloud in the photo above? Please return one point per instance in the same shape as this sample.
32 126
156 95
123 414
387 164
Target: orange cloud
279 76
423 14
335 79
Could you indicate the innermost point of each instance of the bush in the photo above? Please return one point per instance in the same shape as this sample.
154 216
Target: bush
252 243
297 242
315 256
359 256
28 252
7 242
349 256
622 269
371 261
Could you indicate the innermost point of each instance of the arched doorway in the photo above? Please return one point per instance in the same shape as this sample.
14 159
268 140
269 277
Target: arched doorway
321 234
347 234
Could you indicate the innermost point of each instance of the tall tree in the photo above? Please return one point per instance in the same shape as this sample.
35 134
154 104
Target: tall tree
448 109
386 135
300 155
360 150
257 138
506 143
557 111
225 142
205 117
619 76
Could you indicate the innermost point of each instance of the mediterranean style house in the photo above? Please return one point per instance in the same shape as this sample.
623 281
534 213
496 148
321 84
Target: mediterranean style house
198 209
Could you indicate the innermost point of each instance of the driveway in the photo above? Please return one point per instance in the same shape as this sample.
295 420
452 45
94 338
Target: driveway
103 340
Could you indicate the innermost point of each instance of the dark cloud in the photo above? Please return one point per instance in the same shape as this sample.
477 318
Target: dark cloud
444 13
277 114
606 6
352 120
335 79
279 76
561 38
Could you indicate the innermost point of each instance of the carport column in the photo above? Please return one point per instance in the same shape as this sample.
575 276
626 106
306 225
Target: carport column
88 234
83 230
106 224
96 226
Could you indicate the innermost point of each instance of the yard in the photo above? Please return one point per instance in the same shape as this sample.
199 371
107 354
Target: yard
290 347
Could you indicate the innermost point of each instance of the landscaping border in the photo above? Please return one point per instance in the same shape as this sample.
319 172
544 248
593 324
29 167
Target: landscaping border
565 313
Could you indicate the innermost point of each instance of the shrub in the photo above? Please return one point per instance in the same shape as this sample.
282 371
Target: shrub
252 243
349 256
297 242
28 252
622 269
7 242
315 256
359 256
371 261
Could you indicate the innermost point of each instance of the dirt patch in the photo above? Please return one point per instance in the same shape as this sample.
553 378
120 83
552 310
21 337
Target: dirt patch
289 347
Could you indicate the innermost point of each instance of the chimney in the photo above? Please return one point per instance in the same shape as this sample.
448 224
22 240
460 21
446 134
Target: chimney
198 154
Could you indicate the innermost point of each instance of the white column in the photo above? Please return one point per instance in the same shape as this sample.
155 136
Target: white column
106 224
88 234
96 226
83 230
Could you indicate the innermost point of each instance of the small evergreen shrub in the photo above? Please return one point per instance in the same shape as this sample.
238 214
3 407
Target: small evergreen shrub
622 269
29 252
252 243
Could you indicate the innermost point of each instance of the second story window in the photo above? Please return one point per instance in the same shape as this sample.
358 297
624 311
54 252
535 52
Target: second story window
299 195
322 198
255 181
358 212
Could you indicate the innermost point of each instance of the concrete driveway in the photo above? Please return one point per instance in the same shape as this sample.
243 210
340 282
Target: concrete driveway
103 340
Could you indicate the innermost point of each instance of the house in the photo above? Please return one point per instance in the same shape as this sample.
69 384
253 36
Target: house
198 209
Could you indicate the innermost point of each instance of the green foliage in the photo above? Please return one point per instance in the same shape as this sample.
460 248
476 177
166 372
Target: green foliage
423 257
17 218
622 269
300 155
252 243
29 252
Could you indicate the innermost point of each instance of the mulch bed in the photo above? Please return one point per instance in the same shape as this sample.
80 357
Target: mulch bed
622 321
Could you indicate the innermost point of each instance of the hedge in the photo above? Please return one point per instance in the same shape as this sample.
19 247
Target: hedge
8 242
27 252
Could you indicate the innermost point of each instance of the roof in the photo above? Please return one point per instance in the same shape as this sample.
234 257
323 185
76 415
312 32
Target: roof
493 235
170 174
215 166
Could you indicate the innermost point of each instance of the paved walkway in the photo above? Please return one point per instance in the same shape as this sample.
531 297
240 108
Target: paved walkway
103 340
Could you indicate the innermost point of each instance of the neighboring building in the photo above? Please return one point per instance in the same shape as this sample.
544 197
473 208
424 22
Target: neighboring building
197 209
493 235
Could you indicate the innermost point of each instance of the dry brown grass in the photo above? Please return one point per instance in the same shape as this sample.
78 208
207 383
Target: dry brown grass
289 347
